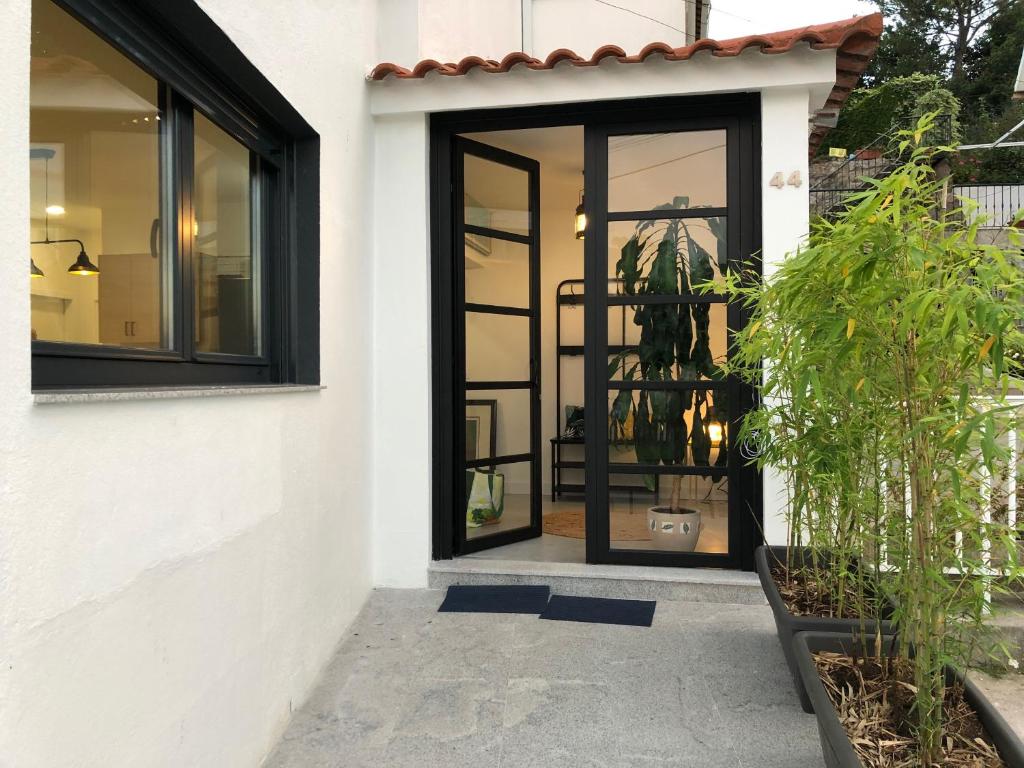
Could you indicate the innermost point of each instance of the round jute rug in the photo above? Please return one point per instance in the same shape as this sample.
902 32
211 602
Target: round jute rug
624 526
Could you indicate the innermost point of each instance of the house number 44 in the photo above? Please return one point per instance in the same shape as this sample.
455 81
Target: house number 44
794 180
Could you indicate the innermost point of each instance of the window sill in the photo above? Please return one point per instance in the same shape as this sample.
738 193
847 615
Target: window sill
170 393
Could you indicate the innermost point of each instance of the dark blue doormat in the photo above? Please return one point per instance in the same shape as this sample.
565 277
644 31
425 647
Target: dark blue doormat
600 610
466 598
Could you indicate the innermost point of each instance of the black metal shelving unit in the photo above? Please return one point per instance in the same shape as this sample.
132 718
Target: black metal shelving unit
570 293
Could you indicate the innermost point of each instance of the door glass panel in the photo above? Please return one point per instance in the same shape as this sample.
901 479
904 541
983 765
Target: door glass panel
701 523
497 499
497 274
694 352
98 259
637 251
671 427
497 423
497 347
496 197
647 171
224 264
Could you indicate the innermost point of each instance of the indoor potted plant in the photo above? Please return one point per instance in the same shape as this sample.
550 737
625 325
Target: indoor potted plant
662 258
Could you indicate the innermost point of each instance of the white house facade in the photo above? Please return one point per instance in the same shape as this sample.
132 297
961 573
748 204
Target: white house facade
241 346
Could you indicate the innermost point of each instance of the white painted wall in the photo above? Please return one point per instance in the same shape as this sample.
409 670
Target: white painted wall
785 222
790 87
584 26
448 30
175 573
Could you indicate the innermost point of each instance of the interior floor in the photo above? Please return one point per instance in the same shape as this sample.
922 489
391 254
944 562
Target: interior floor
552 548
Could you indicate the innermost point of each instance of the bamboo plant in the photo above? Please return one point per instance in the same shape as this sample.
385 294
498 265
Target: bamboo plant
882 354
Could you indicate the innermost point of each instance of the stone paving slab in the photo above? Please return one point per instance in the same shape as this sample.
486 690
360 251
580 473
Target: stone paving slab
706 685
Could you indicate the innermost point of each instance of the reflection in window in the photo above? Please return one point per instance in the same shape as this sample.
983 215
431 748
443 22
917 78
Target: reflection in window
649 171
96 260
225 269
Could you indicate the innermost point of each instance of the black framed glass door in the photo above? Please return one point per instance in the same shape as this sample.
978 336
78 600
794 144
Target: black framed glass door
496 203
670 208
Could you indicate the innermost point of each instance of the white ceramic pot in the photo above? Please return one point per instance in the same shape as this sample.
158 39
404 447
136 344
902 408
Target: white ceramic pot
674 530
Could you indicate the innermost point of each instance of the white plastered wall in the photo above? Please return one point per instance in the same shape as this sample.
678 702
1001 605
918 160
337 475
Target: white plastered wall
790 86
448 30
174 574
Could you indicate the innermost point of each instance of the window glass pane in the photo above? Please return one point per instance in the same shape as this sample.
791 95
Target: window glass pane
668 427
651 170
498 417
638 249
497 347
224 264
641 521
497 197
683 342
497 499
499 275
99 263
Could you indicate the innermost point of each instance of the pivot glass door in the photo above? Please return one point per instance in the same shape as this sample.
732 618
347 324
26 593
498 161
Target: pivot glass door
669 206
496 198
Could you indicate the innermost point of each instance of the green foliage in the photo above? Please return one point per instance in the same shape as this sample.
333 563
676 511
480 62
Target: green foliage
991 66
1000 166
664 258
884 403
872 112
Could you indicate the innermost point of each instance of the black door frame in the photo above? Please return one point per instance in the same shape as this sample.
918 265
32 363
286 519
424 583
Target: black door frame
463 147
445 346
741 181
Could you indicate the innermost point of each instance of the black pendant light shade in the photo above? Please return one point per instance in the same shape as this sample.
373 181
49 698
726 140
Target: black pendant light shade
83 266
36 271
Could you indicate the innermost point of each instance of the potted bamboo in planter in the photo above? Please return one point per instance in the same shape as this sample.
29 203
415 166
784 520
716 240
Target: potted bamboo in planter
663 258
916 322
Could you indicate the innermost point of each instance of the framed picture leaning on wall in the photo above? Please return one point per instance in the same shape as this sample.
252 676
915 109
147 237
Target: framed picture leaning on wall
481 429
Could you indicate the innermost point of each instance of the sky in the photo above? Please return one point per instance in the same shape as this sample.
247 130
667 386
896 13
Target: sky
733 18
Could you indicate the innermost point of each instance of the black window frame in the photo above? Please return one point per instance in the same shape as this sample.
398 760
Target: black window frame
200 70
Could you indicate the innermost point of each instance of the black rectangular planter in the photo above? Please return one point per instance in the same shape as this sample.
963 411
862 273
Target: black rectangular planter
787 625
835 744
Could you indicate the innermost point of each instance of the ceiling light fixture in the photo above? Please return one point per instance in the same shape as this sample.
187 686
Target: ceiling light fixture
82 265
581 217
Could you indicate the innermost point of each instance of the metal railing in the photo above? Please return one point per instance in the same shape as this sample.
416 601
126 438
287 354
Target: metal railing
998 205
874 161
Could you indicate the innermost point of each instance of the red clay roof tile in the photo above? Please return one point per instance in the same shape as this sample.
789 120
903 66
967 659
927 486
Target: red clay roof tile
855 40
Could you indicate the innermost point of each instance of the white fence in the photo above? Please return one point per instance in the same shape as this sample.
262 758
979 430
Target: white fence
999 205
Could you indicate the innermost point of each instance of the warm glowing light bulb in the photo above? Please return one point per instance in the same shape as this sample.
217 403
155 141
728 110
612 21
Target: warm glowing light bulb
581 222
715 432
55 210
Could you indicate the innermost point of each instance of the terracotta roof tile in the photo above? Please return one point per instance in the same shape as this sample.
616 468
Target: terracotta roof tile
855 41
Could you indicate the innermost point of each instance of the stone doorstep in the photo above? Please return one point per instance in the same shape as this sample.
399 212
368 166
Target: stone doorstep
699 585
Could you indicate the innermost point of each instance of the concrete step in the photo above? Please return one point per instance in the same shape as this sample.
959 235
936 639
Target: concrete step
698 585
1008 621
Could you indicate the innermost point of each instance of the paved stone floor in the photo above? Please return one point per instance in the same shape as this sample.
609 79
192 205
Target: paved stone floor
705 686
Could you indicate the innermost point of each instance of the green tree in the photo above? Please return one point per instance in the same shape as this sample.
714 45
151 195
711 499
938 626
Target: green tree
992 63
934 32
872 112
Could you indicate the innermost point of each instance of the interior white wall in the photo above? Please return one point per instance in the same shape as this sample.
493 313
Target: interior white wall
174 574
790 86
